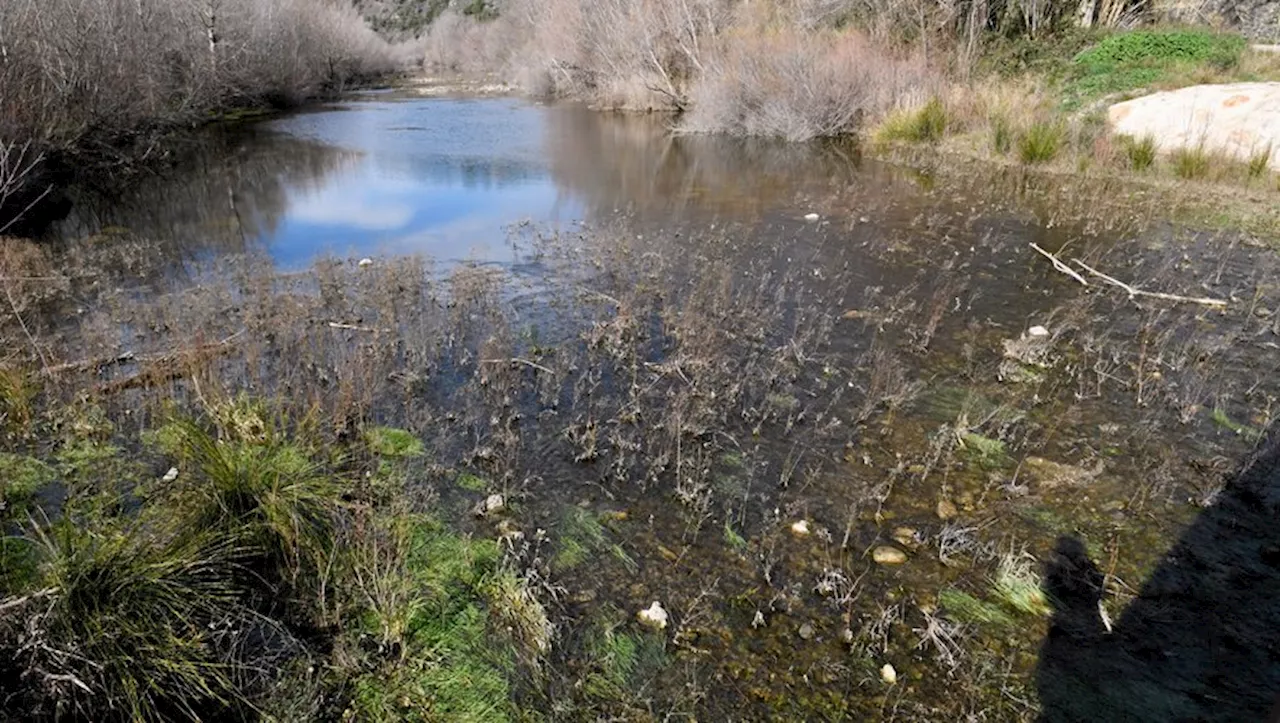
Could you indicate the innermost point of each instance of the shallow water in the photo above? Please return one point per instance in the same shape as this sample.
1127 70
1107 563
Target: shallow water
932 269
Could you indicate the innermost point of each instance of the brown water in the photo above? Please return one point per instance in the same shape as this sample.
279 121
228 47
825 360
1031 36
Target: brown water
871 390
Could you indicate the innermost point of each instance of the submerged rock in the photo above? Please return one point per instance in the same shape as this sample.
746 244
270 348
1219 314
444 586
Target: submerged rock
811 217
888 674
364 263
888 555
907 537
170 476
947 509
1047 475
805 632
490 505
654 616
800 528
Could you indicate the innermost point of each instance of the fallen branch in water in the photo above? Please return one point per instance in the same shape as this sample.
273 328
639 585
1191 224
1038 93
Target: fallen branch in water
1060 266
167 367
353 327
515 360
1206 301
90 364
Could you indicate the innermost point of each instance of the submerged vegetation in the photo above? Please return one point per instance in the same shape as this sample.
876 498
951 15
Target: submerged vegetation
458 507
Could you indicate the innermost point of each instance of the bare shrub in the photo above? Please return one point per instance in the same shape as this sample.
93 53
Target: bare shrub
799 85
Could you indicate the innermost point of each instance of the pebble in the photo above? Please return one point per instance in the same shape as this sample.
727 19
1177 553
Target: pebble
811 217
888 555
170 476
364 263
653 616
1037 332
947 509
888 674
806 632
846 636
800 528
491 504
906 536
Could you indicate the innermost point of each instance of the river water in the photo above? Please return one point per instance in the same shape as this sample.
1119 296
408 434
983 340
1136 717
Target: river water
946 457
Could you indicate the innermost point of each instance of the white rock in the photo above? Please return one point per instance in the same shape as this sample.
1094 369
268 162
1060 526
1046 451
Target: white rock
811 217
364 263
653 616
171 475
888 674
1239 119
800 528
1037 332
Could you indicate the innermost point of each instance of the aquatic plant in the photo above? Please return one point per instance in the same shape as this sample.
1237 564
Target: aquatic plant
926 124
1018 585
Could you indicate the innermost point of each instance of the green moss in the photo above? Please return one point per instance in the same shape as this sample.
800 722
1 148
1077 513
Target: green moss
988 452
472 483
21 477
965 608
392 442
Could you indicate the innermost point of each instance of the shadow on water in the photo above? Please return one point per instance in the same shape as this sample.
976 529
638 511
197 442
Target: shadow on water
1201 642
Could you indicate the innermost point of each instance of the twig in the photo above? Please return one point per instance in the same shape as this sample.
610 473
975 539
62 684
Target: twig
353 327
85 364
1060 266
1153 294
20 601
515 360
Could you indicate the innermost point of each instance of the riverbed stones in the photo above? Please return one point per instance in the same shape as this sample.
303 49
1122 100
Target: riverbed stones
888 555
811 217
800 528
654 617
805 632
908 537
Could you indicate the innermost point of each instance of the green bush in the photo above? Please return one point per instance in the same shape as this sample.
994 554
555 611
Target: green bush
1041 142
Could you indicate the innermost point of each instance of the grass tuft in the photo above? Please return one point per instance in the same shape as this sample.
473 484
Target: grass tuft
1259 162
1017 585
1140 152
1190 163
965 608
927 124
392 442
1040 142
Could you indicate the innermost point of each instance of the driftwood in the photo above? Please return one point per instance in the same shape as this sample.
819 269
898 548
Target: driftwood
514 360
1133 292
1206 301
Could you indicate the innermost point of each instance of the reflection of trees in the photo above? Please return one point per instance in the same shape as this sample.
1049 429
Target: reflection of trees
613 161
469 171
230 187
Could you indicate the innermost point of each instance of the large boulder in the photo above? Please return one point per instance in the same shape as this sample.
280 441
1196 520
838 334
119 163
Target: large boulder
1239 119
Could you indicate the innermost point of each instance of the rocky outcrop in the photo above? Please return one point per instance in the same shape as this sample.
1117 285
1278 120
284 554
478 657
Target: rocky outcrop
1258 20
1238 119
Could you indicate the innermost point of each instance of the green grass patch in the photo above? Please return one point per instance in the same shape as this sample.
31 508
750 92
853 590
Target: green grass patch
582 535
20 478
472 483
1017 585
988 452
1259 162
392 442
1141 59
733 539
965 608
